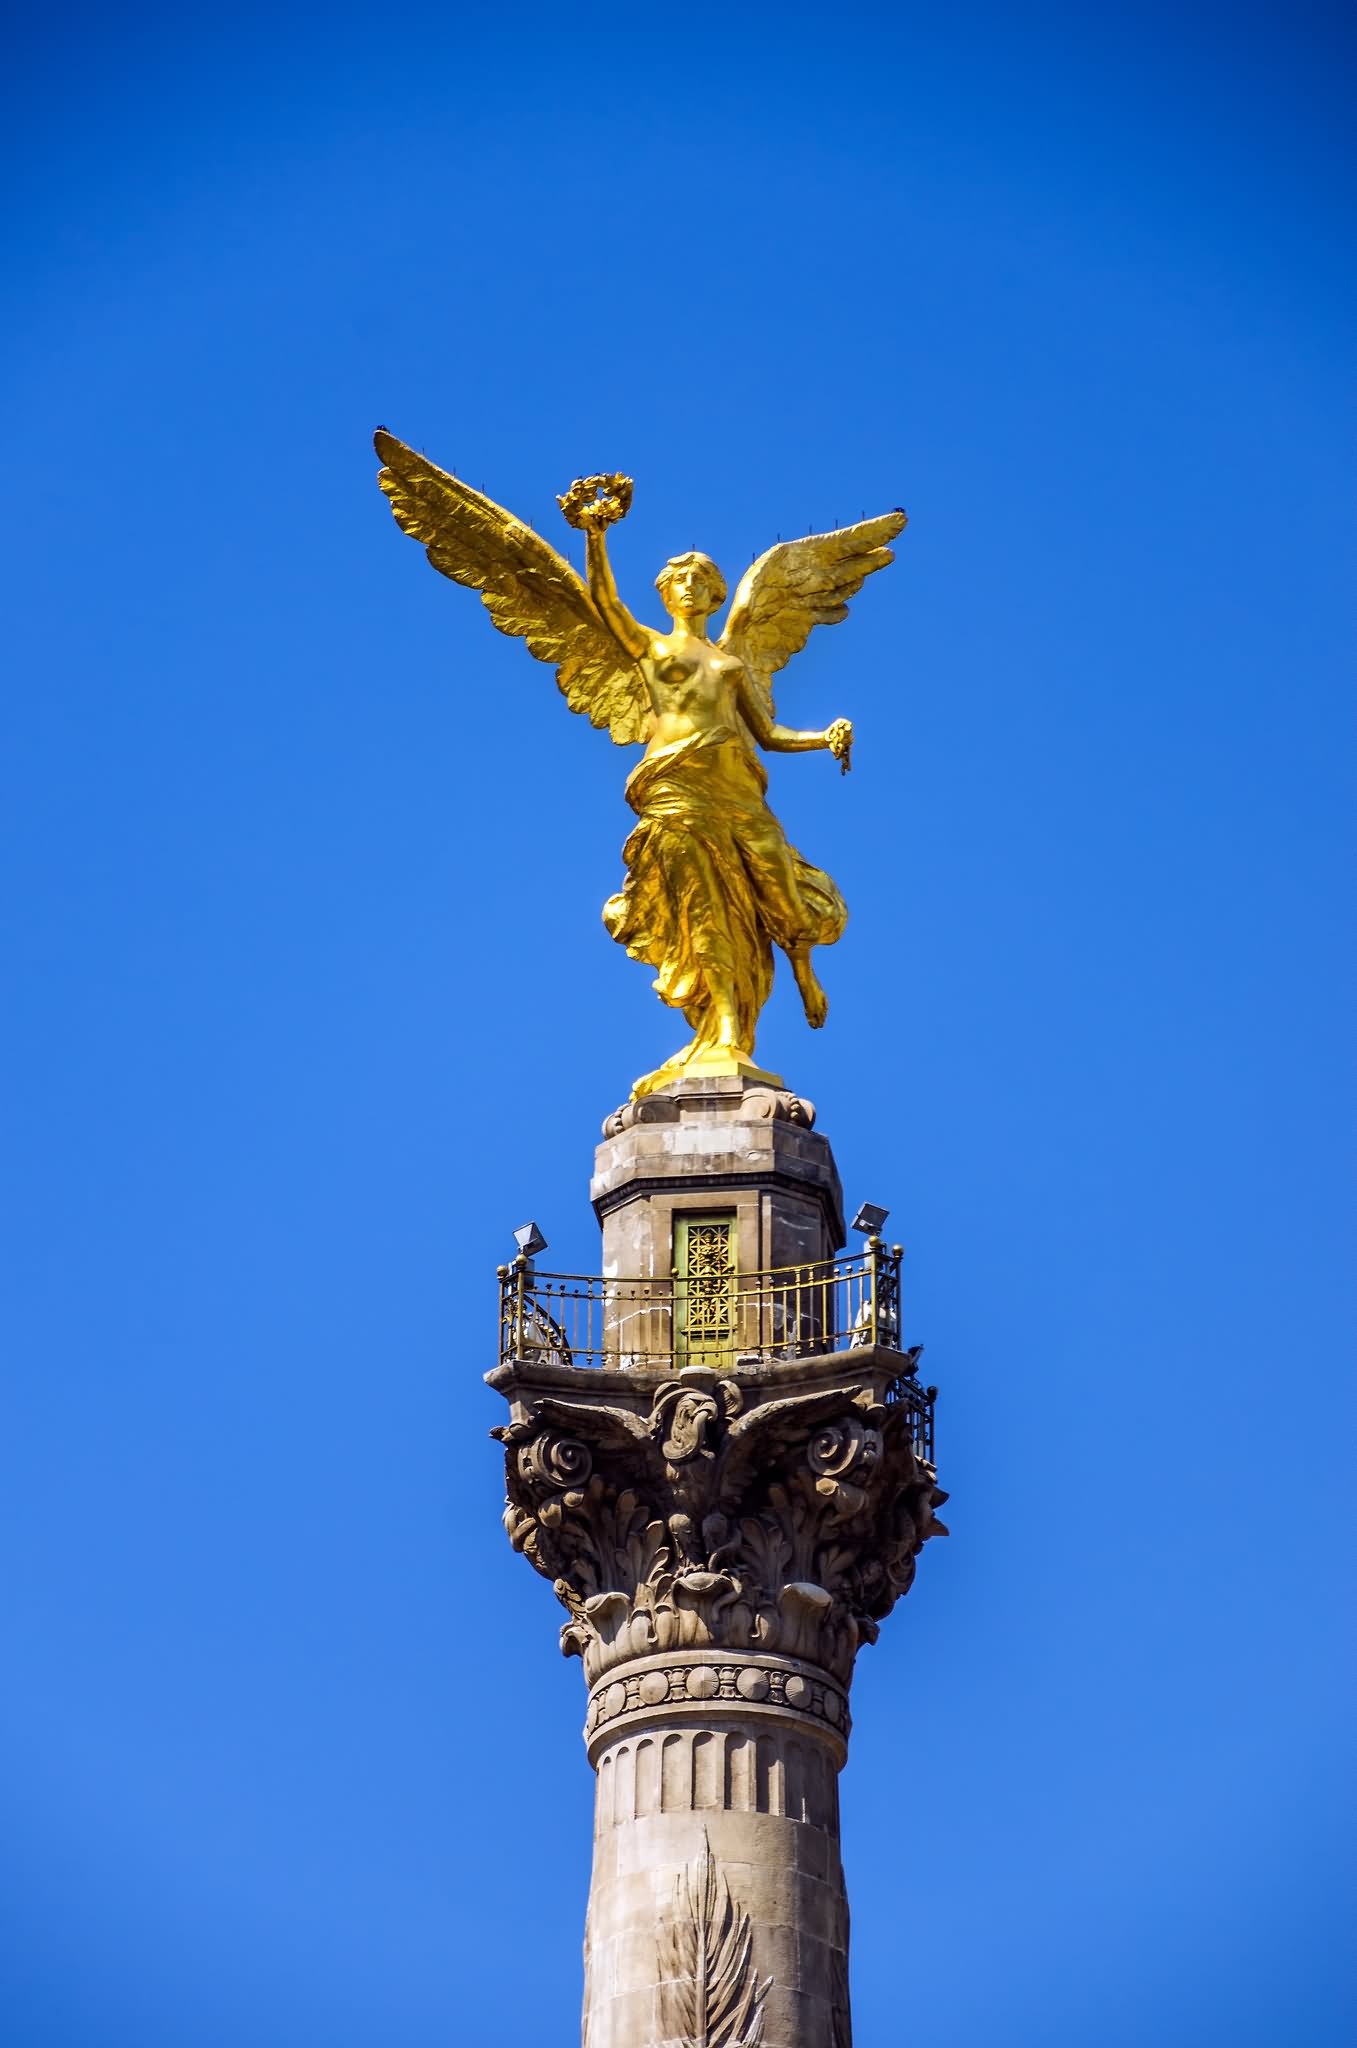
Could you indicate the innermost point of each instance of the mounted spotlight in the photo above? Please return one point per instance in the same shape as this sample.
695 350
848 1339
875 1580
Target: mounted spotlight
530 1241
870 1219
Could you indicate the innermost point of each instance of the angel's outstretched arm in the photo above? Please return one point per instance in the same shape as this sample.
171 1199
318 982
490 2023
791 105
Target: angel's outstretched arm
775 738
603 590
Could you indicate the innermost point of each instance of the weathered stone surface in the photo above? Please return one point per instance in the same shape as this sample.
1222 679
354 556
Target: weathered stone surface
752 1150
787 1523
723 1541
722 1546
710 1823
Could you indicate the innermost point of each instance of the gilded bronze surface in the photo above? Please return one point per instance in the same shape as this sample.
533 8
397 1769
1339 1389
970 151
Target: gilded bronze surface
712 882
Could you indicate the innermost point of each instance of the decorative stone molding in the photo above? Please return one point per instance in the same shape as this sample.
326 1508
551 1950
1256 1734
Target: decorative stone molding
700 1684
785 1526
762 1103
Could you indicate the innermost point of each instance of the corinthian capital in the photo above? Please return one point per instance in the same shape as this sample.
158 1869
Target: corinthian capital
777 1515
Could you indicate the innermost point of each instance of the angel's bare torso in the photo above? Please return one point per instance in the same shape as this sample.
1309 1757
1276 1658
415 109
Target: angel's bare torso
693 683
693 688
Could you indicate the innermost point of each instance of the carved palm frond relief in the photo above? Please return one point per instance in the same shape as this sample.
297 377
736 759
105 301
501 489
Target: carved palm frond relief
712 1991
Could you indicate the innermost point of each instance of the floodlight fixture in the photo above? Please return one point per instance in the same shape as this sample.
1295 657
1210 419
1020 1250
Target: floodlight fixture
530 1241
870 1219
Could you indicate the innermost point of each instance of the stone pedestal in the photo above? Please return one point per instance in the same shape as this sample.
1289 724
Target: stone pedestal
751 1151
726 1522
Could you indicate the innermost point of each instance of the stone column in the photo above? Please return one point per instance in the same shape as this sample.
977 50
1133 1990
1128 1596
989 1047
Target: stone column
717 1890
724 1536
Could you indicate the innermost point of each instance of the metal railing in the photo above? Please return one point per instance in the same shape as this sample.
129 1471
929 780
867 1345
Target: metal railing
787 1312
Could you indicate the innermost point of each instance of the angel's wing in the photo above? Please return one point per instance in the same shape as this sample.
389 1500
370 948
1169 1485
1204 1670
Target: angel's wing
754 1438
618 1428
527 588
800 584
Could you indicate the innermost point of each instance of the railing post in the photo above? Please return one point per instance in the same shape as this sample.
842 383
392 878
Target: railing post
874 1250
896 1317
522 1278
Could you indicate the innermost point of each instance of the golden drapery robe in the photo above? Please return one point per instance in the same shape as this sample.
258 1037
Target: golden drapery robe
709 879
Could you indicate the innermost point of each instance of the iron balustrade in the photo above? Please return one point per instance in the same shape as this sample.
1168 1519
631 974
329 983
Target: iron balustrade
787 1312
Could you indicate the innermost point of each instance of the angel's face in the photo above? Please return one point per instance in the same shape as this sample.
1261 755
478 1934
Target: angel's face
688 591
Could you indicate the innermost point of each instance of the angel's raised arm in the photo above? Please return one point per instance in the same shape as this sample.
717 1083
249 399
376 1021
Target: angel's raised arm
603 590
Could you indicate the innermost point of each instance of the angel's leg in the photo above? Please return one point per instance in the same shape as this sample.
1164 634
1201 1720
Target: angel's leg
708 951
787 916
813 997
728 1034
771 865
721 1027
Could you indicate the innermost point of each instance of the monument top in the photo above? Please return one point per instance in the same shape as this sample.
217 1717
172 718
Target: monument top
718 1450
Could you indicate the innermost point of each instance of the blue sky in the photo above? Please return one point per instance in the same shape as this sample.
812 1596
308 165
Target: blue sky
310 1003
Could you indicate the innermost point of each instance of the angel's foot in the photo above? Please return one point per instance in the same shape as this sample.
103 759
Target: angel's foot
813 998
728 1035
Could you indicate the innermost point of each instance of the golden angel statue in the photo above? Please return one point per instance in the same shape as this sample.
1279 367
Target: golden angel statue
712 884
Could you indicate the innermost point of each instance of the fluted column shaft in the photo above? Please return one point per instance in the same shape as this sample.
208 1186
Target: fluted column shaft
716 1855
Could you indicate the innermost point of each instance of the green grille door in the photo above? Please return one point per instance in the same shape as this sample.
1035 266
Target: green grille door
704 1290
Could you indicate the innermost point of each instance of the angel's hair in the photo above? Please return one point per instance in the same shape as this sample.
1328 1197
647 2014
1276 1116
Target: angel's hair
715 580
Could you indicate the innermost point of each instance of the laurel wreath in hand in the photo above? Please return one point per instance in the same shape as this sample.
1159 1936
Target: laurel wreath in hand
840 738
595 502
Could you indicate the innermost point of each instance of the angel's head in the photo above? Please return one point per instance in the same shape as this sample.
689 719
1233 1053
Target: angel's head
692 588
